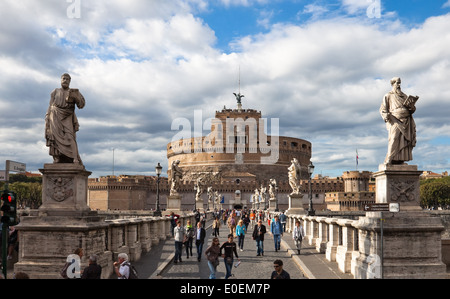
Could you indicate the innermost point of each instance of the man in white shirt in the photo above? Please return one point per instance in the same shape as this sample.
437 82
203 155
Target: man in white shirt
121 268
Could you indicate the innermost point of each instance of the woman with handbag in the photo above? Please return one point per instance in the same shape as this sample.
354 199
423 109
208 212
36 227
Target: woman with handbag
298 234
212 254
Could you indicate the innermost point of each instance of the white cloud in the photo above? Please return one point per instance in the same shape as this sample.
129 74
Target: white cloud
142 64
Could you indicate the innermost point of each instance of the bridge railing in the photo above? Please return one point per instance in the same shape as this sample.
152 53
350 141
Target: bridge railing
337 238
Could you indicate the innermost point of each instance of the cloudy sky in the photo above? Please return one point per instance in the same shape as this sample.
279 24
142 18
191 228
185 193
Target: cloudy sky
320 67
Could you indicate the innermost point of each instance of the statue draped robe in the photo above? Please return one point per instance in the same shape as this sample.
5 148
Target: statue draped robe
401 127
61 125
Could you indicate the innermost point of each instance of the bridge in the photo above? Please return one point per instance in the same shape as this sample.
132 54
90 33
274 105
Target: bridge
158 264
332 249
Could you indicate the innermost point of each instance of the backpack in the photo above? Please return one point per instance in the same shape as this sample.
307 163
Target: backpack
133 271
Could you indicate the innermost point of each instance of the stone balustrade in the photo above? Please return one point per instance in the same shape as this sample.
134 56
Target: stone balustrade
105 238
340 240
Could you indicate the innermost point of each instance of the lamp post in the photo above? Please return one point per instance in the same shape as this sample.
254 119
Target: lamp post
158 173
311 211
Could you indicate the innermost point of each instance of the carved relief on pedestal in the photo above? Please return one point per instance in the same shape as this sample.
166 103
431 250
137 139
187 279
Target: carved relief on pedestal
60 189
403 191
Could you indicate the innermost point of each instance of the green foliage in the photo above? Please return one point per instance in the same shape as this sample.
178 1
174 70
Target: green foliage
435 193
28 194
28 190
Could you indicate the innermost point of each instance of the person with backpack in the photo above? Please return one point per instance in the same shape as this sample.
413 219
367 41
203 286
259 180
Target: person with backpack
123 268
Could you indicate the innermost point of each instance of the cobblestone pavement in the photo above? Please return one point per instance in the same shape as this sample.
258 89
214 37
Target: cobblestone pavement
251 267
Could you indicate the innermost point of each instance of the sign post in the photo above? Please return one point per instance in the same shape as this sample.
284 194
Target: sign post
382 207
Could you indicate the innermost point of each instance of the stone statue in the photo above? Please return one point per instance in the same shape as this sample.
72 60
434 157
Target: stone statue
397 109
210 194
61 123
176 176
199 186
273 188
216 196
256 195
294 176
239 97
263 192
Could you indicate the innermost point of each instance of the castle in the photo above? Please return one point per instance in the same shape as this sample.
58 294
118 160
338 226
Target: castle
236 160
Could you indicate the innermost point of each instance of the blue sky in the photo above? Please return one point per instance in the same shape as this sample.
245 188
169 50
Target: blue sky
234 21
320 67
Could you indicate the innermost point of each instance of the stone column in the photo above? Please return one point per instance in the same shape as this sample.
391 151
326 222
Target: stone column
295 204
321 241
272 204
64 223
345 249
173 204
64 190
411 244
333 242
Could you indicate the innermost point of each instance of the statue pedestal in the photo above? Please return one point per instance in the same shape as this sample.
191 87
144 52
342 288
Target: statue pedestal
411 244
399 184
64 222
199 205
295 204
174 203
64 190
411 247
273 204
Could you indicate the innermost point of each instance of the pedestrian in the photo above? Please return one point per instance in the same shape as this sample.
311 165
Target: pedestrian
258 236
283 219
197 216
224 217
229 248
21 275
173 221
93 271
203 219
188 237
298 234
178 233
240 233
246 220
216 227
122 267
200 234
232 223
277 231
74 271
212 253
252 217
279 273
13 243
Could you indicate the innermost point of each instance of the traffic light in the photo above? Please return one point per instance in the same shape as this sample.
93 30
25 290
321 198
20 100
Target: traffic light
9 208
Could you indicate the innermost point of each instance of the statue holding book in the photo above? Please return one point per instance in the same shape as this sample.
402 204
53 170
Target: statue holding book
61 123
397 109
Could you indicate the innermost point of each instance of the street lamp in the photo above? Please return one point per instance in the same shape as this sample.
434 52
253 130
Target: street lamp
311 211
158 173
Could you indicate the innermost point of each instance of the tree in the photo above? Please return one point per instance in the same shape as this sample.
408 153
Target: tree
28 194
435 193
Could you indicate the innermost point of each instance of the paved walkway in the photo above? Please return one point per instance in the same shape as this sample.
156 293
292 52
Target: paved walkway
158 263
